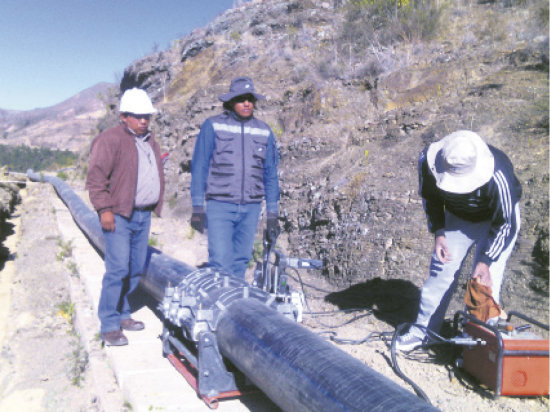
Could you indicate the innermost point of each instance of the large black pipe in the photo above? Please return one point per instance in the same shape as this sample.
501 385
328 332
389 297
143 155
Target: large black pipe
301 372
294 367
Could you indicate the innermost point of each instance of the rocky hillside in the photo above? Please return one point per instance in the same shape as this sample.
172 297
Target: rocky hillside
68 125
353 95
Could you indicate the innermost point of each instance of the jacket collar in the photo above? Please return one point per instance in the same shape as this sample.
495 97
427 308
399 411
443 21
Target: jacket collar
144 137
238 118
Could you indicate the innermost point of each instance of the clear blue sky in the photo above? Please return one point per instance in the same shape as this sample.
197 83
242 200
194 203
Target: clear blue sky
52 49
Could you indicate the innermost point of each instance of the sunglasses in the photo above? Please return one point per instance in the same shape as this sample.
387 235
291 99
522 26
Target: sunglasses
140 116
245 97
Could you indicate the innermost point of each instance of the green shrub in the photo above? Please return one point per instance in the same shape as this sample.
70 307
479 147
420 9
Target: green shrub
257 253
65 310
20 158
235 36
66 249
62 175
78 363
383 22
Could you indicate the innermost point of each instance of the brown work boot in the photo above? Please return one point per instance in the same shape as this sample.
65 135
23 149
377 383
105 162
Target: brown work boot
131 324
114 338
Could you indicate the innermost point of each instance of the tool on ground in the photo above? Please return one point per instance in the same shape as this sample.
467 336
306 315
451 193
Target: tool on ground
508 359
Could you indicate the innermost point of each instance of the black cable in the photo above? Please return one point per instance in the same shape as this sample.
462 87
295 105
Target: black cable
419 392
348 295
380 335
315 314
332 312
431 339
307 284
369 338
436 339
332 335
347 322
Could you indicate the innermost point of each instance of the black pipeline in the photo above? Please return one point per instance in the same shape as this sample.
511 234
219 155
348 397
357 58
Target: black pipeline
295 368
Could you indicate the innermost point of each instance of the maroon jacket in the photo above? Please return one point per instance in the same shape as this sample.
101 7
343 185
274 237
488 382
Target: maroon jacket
112 171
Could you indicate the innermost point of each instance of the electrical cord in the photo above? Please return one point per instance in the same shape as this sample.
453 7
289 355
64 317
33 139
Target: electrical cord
315 315
331 333
369 338
431 339
307 284
332 312
419 392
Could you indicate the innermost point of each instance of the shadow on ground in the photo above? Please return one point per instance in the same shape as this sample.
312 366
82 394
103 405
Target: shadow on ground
393 301
6 229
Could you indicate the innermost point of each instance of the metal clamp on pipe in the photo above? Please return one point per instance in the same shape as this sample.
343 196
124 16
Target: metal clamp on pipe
191 311
273 279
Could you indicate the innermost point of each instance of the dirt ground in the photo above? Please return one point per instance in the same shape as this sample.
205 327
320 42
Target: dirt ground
46 364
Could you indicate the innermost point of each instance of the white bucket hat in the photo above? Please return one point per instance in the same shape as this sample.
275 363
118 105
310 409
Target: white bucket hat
136 101
461 162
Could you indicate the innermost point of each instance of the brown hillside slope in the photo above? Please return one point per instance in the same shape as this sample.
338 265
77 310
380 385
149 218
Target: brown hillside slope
351 121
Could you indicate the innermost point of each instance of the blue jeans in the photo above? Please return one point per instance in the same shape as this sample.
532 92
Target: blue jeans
231 231
437 291
125 255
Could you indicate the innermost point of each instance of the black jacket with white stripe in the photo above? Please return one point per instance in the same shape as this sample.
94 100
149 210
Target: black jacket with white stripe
494 201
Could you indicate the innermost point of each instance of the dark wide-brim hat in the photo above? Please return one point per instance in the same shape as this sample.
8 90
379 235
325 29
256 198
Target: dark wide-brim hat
240 86
461 162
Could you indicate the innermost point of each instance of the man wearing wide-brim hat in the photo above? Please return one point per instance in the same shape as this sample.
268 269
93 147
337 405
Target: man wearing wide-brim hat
234 168
471 197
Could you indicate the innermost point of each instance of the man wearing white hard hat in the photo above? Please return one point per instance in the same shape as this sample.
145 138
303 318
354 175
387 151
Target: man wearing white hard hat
471 197
125 183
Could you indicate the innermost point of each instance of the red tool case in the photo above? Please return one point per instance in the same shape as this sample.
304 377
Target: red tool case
512 362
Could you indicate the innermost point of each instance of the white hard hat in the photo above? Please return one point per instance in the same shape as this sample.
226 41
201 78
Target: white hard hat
136 101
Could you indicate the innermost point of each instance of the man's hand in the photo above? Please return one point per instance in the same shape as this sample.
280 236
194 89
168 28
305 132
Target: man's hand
482 274
441 251
198 219
107 219
273 229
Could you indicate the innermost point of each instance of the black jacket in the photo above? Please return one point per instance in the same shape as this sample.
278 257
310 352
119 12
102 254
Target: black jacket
494 201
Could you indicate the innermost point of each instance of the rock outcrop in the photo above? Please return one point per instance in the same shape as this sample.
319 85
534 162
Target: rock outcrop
9 198
350 122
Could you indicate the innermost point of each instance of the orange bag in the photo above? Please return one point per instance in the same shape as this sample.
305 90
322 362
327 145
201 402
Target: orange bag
479 301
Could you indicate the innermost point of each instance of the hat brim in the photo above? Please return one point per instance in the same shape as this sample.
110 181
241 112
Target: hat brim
141 112
480 174
231 95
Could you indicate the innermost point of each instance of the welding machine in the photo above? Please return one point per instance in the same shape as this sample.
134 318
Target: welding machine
507 359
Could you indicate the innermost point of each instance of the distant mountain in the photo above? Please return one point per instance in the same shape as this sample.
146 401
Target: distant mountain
67 125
